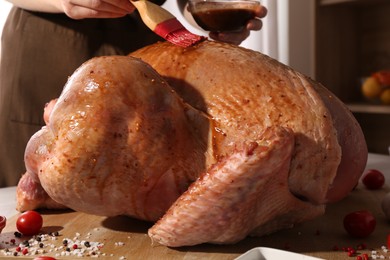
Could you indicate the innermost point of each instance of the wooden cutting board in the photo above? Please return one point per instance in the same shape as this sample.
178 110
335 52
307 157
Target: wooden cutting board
127 238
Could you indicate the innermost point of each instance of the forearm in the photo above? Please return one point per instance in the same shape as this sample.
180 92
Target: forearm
47 6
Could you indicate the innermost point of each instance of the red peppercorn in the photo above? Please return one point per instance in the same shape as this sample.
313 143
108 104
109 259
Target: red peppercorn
361 246
18 249
359 257
74 246
13 241
365 256
25 251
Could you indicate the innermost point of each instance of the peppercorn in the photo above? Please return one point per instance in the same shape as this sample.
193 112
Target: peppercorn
17 234
86 243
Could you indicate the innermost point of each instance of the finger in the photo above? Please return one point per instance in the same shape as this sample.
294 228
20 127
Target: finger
235 38
80 12
261 12
104 5
254 25
123 4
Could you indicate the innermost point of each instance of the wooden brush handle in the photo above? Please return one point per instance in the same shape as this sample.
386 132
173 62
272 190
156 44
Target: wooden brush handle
151 14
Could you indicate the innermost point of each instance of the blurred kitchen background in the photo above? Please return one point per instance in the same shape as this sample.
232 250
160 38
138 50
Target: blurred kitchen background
337 42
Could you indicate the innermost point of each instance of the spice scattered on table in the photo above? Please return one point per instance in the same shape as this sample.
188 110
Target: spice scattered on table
54 244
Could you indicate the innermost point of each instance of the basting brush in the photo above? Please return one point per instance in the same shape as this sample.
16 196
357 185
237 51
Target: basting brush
165 24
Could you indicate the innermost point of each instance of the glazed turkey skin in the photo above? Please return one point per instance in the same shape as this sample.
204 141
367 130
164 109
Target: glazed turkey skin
213 142
114 142
246 91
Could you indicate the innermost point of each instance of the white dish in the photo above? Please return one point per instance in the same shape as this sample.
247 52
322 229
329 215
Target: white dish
265 253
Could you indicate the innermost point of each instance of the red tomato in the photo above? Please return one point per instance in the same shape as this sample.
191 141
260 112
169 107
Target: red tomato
359 223
388 241
373 179
383 77
29 223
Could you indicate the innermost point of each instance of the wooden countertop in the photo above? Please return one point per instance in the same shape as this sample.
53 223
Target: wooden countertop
127 238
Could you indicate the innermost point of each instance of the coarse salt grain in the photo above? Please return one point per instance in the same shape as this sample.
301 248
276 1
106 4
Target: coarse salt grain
35 245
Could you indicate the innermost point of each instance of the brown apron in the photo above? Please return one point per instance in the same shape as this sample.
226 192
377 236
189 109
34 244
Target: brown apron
39 52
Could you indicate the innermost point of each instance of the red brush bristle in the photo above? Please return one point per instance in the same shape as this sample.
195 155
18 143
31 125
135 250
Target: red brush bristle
173 31
184 38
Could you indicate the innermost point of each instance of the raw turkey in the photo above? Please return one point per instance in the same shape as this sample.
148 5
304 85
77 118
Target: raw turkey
214 143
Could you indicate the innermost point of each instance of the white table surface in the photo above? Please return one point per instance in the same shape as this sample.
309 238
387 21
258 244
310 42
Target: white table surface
8 195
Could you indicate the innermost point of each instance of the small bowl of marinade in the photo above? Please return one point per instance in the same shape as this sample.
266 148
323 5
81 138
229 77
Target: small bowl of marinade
223 15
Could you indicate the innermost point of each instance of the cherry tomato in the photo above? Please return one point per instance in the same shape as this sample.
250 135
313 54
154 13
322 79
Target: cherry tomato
373 179
383 77
359 223
3 221
29 223
388 241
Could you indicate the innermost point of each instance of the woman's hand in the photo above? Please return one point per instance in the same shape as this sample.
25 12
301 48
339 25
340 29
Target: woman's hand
79 9
238 37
